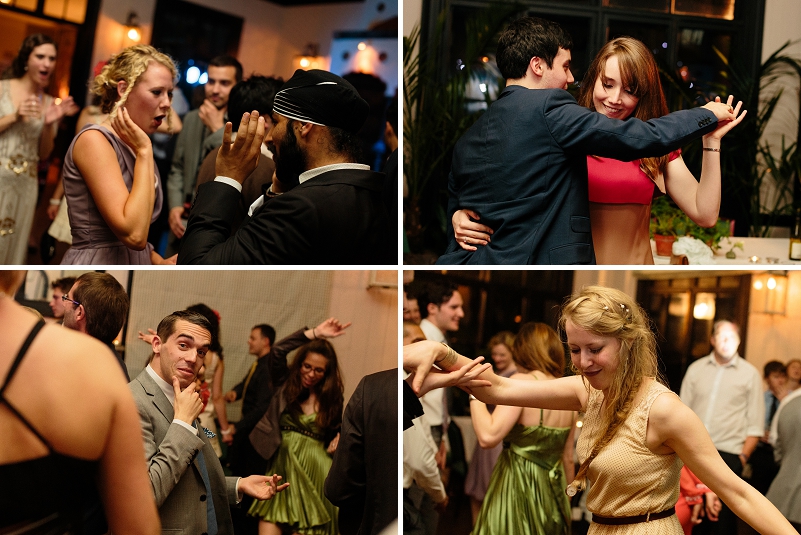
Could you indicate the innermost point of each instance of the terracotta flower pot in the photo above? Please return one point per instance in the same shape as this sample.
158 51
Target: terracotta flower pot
664 244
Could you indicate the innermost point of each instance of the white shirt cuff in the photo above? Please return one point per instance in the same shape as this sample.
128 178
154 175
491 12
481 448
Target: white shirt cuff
186 425
230 182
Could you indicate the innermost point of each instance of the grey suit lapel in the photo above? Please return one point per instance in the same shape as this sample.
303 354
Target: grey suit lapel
159 399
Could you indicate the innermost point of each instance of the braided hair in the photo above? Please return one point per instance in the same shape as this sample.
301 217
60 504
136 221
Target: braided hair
610 312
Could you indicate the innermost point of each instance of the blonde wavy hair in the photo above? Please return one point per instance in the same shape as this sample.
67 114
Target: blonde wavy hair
538 347
128 66
610 312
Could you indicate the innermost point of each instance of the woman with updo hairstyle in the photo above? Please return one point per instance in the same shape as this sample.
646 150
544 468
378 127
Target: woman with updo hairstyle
69 464
298 436
636 433
28 125
526 489
483 460
110 177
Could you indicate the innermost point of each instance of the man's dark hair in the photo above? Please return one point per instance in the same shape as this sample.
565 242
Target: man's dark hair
267 331
436 293
526 38
166 326
228 61
105 302
65 283
774 366
255 93
345 144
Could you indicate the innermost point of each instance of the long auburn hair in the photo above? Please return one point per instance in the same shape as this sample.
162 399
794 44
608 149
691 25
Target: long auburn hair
329 390
537 347
610 312
640 74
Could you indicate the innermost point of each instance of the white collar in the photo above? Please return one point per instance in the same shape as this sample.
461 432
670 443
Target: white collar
167 388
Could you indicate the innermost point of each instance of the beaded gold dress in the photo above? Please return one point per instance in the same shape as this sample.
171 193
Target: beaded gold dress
19 158
626 478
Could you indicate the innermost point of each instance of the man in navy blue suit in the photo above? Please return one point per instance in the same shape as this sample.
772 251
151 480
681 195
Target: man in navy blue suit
522 166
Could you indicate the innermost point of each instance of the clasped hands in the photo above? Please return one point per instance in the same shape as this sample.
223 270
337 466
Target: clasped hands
419 358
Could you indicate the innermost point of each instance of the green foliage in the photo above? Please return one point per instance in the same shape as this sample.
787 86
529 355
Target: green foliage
436 114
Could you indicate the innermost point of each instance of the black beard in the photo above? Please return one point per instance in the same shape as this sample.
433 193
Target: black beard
292 160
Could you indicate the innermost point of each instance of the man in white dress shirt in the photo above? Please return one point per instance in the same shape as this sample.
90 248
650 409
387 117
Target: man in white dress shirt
726 393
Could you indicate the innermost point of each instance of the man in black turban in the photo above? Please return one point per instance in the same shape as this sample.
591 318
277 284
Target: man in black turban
322 208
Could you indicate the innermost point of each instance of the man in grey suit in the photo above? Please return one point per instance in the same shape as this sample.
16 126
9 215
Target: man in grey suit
191 490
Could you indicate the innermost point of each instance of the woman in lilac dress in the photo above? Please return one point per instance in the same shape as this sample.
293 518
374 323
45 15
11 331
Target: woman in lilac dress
110 178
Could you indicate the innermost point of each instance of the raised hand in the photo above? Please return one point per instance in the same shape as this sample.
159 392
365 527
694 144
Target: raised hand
468 232
130 133
331 328
238 159
262 487
30 108
187 402
724 127
55 112
149 336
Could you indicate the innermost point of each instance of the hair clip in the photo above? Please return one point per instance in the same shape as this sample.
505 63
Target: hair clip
606 307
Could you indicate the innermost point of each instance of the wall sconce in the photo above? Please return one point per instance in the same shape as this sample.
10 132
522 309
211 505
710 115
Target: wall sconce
132 29
769 293
704 308
310 58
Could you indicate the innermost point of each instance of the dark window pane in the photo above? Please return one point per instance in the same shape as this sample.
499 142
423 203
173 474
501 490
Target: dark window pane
579 30
698 64
650 5
721 9
654 36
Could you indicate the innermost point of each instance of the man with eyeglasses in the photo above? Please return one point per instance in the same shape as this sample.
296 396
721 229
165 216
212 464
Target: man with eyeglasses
60 287
266 374
97 305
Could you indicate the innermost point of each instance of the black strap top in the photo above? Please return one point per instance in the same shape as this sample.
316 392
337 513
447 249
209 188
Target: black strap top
51 494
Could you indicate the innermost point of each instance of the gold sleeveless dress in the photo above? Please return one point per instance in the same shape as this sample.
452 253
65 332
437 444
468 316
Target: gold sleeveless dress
626 478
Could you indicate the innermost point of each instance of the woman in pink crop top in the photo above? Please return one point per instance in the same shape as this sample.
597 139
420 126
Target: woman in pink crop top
623 81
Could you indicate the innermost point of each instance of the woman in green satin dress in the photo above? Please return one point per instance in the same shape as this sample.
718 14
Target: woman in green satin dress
526 492
309 427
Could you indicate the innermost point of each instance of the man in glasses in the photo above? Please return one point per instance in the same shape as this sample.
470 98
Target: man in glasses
97 305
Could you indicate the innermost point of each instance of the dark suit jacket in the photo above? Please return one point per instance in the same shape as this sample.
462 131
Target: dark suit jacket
251 187
171 451
363 480
337 217
270 373
522 166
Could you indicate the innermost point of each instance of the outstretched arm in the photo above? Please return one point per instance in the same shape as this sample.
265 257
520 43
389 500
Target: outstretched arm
701 200
566 393
674 427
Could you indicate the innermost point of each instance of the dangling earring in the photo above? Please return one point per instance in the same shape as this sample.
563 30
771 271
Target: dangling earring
26 68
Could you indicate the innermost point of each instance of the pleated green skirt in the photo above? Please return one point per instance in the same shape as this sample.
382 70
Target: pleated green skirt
304 464
526 493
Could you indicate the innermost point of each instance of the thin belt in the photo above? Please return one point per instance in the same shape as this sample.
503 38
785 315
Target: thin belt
309 434
622 520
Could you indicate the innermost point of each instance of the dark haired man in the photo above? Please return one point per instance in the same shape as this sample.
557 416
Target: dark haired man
224 72
255 93
60 287
97 305
332 210
522 166
190 488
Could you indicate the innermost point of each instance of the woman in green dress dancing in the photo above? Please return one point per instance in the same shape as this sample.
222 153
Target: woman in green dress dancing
299 433
526 491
